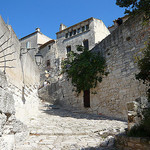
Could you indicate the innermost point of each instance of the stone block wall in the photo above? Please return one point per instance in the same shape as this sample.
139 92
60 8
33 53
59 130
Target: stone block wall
135 111
12 130
132 143
110 96
21 72
19 80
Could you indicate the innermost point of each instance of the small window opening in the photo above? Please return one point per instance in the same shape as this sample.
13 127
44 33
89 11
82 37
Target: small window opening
28 45
66 35
70 33
49 47
87 27
78 30
83 28
68 49
86 44
74 32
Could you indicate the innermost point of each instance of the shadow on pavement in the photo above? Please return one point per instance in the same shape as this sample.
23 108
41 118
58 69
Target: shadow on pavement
57 110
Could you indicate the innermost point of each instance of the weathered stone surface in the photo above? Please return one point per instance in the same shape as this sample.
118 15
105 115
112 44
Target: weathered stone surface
120 86
135 111
132 143
6 101
2 122
65 130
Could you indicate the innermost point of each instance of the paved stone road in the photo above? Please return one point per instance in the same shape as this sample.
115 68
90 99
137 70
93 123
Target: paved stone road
59 129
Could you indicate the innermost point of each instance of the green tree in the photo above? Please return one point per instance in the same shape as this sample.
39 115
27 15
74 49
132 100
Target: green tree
85 68
134 7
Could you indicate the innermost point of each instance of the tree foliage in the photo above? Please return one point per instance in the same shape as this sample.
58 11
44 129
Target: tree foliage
144 67
135 7
84 68
143 129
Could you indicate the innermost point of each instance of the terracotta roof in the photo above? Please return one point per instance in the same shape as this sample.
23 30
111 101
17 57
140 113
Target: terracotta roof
45 44
75 25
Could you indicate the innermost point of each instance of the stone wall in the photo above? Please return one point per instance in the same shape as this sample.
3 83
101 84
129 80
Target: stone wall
120 49
12 130
135 111
21 72
57 52
19 80
132 143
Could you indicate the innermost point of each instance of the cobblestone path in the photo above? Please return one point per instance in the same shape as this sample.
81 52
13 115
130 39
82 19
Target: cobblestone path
59 129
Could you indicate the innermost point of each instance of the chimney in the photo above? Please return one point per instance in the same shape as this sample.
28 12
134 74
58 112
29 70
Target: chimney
37 29
62 27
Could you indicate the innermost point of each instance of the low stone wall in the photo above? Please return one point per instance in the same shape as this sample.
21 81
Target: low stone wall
135 111
132 143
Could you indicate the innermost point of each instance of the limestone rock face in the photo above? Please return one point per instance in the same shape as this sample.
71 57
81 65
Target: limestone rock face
11 130
6 101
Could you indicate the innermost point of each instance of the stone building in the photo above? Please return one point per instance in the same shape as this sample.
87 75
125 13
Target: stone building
86 33
34 40
120 48
110 96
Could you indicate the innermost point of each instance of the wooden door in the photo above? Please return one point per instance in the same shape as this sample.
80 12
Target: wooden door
87 98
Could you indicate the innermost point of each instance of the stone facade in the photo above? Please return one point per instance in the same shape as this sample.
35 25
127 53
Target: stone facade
34 40
120 49
92 30
49 71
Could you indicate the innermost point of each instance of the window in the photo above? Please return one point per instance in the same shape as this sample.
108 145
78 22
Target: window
28 45
74 32
48 63
78 30
83 28
86 44
70 33
49 47
68 49
66 35
86 98
87 26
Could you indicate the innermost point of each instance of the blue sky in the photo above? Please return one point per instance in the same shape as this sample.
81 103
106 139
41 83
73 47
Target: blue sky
26 15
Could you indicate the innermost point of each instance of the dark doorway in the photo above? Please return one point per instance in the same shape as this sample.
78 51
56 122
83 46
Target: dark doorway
86 98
